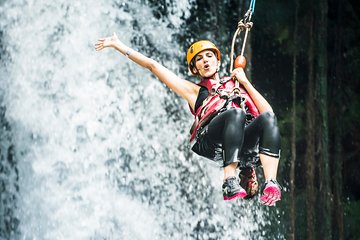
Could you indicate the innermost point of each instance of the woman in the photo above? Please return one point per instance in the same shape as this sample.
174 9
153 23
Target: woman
232 123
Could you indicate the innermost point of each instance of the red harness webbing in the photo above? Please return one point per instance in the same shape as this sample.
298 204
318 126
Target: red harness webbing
222 95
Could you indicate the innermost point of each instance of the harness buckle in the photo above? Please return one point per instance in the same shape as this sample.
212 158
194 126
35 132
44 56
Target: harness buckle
236 91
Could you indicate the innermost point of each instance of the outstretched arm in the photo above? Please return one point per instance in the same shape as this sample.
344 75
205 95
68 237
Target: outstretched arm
182 87
260 102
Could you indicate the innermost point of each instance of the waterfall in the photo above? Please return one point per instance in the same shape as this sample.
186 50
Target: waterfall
95 147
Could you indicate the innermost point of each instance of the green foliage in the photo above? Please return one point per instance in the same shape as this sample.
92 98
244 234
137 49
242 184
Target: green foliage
352 220
352 109
270 64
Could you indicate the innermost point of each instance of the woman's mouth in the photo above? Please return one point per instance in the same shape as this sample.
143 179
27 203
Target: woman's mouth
206 66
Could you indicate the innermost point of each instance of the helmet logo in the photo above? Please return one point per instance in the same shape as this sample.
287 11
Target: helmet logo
192 49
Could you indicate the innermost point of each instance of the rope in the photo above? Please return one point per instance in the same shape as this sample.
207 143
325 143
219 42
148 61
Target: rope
243 24
252 6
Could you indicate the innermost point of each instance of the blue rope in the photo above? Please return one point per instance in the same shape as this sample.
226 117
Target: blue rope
252 6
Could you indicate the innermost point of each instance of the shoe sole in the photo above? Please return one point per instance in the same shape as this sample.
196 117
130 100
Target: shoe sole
241 194
271 195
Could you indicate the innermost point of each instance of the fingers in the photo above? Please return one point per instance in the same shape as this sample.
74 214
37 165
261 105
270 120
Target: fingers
99 46
106 42
238 71
240 75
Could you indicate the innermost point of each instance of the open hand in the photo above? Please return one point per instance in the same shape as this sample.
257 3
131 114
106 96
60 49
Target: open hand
107 42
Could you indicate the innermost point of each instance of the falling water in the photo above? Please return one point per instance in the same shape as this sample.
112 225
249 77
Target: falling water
93 146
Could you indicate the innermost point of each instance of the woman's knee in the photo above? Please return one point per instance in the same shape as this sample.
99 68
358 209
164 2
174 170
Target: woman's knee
236 114
269 118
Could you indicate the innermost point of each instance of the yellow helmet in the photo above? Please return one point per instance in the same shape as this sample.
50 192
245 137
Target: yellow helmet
199 46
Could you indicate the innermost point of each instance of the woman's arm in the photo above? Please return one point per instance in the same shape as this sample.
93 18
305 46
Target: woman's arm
260 102
182 87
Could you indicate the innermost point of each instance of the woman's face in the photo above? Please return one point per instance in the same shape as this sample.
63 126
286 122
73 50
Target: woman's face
206 63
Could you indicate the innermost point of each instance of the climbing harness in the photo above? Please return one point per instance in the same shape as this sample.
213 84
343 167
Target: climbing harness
221 97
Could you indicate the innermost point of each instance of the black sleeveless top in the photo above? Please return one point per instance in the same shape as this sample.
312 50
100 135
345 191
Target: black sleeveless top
203 94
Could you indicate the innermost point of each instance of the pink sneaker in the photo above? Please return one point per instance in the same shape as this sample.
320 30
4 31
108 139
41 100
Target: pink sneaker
232 190
270 193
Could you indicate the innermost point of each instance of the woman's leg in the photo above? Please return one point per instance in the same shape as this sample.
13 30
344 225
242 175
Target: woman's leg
265 127
230 170
265 130
228 129
270 166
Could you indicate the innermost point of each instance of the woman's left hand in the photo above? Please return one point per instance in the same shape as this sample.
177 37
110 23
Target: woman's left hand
107 42
239 75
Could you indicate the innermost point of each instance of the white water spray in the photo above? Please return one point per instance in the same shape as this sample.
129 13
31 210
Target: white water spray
101 145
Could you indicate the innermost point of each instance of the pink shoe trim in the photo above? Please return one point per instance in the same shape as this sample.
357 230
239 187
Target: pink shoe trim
240 194
271 194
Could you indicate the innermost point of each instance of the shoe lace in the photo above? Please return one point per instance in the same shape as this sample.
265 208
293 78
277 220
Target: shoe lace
232 183
274 182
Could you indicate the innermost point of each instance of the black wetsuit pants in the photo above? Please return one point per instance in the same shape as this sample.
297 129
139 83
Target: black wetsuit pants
229 130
